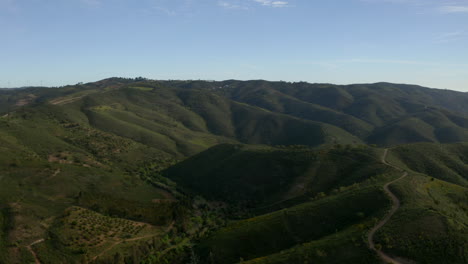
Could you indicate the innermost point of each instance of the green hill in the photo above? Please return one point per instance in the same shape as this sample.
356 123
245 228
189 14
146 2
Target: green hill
338 215
445 162
326 214
167 113
262 175
143 171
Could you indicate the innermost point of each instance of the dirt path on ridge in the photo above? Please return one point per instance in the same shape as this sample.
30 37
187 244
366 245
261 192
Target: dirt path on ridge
395 207
36 259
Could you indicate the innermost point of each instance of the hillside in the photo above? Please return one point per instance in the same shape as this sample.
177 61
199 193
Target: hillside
184 117
339 199
262 175
142 171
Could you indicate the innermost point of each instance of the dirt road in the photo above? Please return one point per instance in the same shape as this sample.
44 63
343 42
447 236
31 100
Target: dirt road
395 207
36 259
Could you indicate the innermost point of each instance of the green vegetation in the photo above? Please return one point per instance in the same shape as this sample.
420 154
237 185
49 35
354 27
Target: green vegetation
310 221
84 231
431 225
142 171
5 223
349 242
263 175
436 203
167 210
444 162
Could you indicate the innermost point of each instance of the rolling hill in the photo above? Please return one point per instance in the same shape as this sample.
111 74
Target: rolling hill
181 117
142 171
339 199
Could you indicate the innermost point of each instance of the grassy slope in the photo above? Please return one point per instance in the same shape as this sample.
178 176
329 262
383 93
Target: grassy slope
264 175
434 199
47 161
98 137
429 226
5 223
311 221
445 162
80 230
349 242
276 101
188 121
381 113
312 226
259 112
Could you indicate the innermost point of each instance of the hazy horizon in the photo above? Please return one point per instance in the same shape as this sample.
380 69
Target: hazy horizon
212 80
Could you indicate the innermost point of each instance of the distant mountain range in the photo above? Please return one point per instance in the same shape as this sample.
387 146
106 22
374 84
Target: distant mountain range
262 112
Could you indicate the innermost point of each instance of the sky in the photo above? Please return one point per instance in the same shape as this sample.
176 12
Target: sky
58 42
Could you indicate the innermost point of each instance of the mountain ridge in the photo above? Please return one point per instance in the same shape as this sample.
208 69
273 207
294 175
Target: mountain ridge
254 165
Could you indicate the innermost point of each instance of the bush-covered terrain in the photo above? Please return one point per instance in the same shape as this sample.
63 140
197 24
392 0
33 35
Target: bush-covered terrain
142 171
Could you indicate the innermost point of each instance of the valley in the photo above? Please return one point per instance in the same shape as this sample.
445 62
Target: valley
146 171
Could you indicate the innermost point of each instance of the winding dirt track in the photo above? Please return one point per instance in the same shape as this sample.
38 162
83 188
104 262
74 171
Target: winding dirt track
395 207
36 259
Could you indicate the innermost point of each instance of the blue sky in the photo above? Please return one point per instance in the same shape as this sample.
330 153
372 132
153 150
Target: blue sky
57 42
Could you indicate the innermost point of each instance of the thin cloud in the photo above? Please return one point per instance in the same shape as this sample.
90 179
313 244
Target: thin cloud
250 4
441 6
411 2
272 3
231 5
451 36
164 10
449 9
169 7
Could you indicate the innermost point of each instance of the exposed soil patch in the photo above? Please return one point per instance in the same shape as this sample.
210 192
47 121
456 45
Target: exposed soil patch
62 158
62 101
25 101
